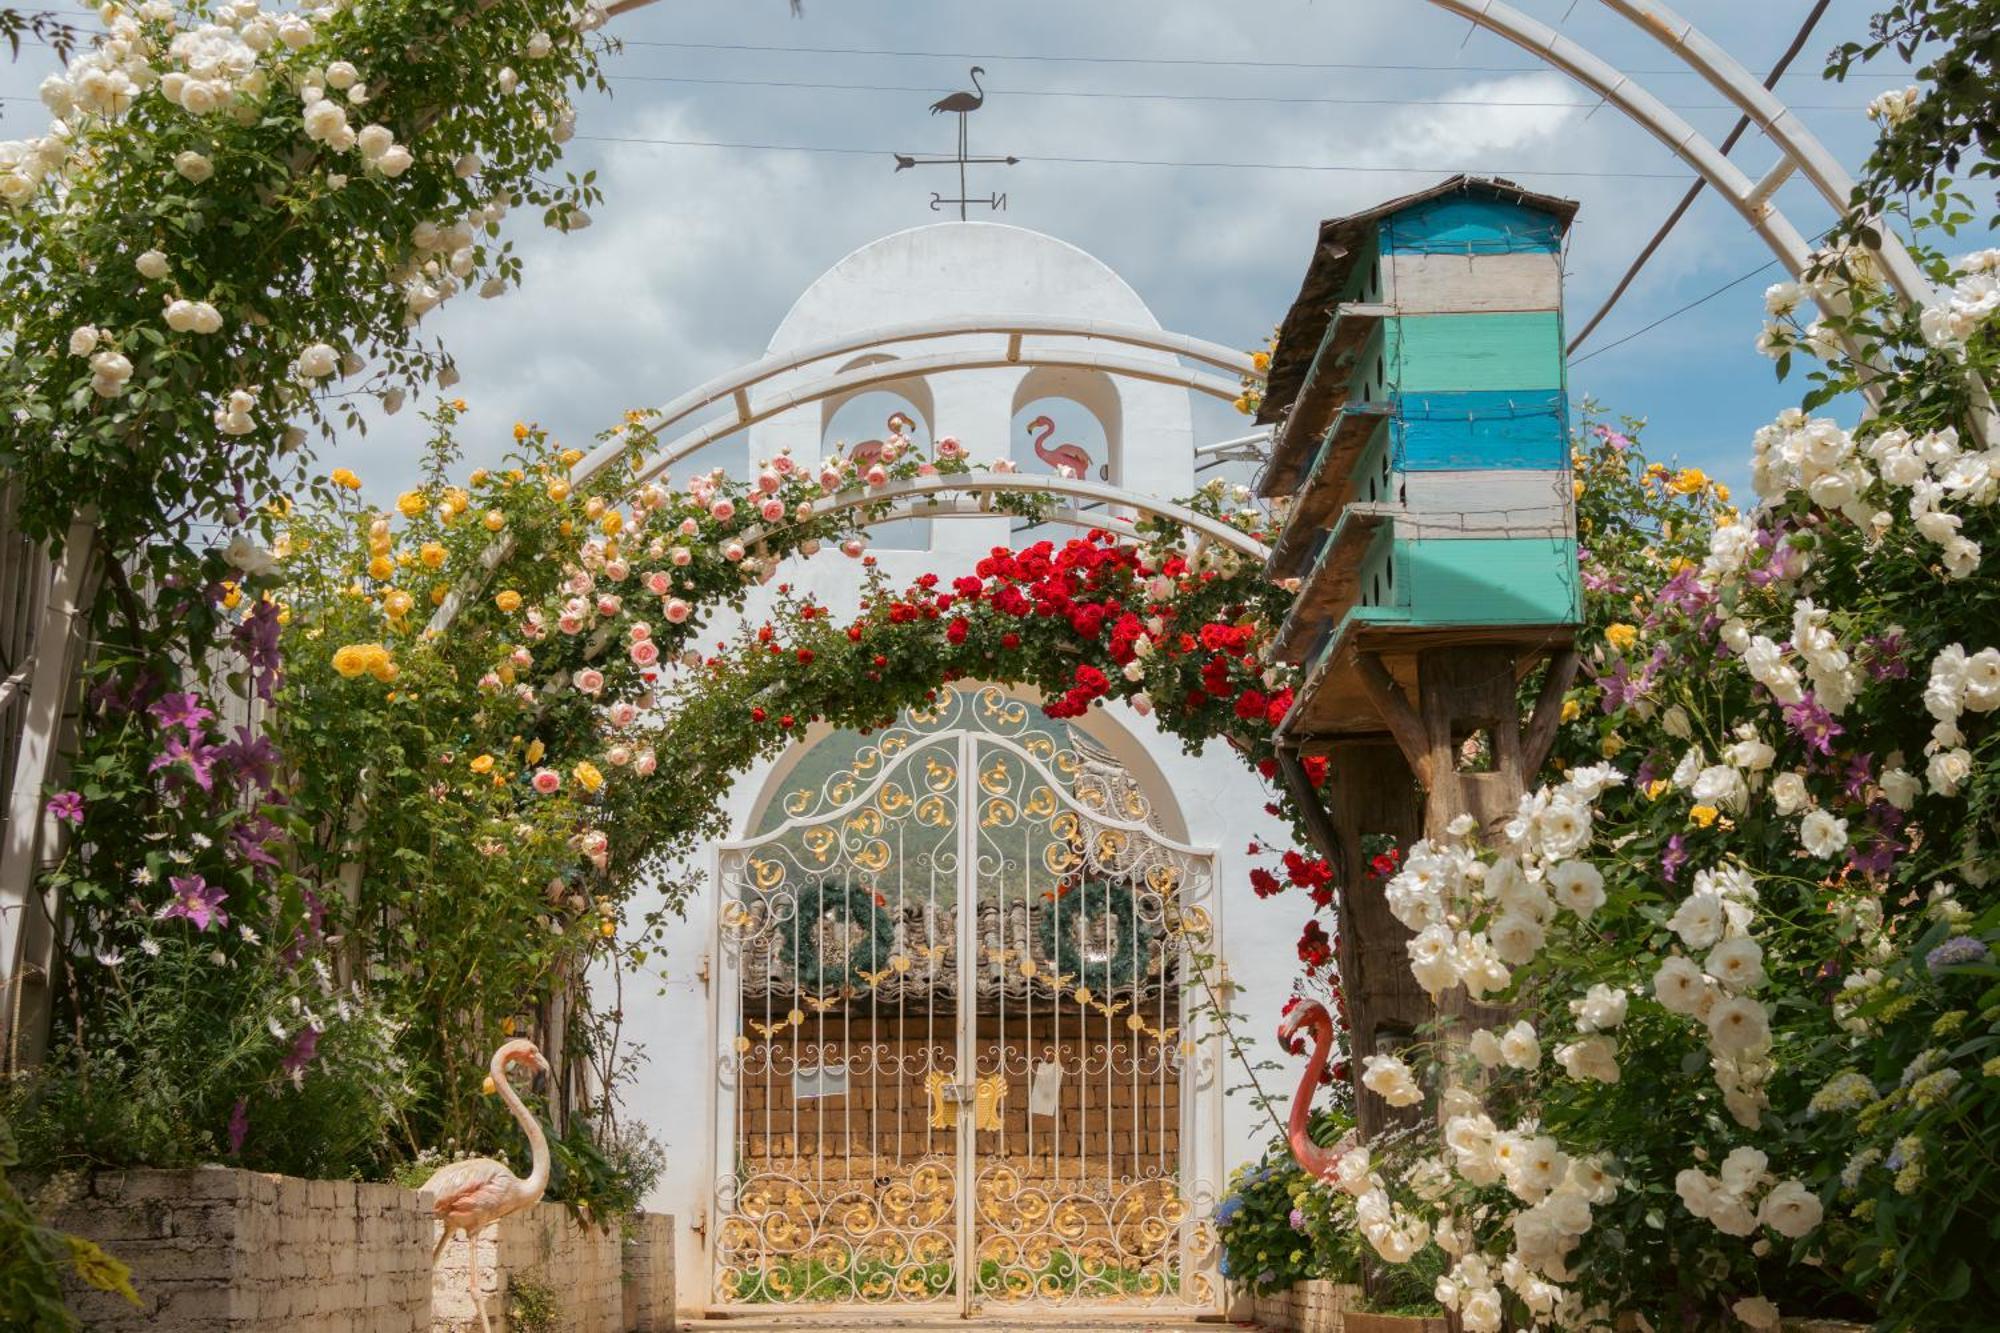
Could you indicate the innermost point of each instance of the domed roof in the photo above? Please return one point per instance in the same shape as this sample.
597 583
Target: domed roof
954 270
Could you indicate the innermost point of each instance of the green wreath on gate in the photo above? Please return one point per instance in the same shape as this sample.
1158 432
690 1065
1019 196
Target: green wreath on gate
1058 931
799 947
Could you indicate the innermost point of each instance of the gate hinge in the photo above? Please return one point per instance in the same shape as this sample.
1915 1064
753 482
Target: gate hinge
702 972
699 1225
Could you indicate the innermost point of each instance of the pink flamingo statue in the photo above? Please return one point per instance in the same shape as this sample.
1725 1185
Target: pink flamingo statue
470 1194
868 451
1071 456
1317 1162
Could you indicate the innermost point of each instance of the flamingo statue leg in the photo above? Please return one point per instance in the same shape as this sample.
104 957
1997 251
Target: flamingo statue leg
472 1281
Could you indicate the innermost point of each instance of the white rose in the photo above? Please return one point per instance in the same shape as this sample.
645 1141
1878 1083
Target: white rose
111 366
1744 1171
1948 770
1591 1058
193 166
1679 985
1698 920
1756 1312
207 319
1516 938
539 46
1790 1209
340 74
1720 785
151 264
325 119
1391 1080
374 140
1821 834
83 340
198 97
395 161
318 361
1738 1026
1788 792
1485 1048
1737 963
1901 787
1579 886
1601 1008
1519 1048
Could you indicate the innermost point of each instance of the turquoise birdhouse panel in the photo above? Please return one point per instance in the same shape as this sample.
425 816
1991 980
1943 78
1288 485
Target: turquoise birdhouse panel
1516 350
1482 428
1464 224
1491 581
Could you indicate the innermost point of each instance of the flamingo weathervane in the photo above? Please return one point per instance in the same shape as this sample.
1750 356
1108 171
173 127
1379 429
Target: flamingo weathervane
960 104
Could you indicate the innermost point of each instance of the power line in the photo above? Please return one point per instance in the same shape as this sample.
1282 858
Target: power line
1680 209
1155 162
1181 97
1203 62
1672 314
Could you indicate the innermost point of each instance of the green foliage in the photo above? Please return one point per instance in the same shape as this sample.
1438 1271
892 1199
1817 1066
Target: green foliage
1278 1226
33 1258
531 1305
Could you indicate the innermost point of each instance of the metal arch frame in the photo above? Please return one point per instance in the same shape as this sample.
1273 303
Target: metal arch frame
735 385
905 493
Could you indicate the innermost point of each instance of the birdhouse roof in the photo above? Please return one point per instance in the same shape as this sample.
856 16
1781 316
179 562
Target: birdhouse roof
1341 242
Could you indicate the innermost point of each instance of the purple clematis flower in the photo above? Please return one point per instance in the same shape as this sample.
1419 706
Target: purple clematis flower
197 755
196 900
253 758
239 1125
1675 857
1814 725
67 806
256 637
305 1047
180 710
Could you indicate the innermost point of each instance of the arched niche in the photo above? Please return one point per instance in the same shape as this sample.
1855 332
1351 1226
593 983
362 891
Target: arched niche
851 423
1065 418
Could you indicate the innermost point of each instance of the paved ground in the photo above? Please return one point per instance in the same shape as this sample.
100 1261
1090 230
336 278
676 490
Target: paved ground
989 1324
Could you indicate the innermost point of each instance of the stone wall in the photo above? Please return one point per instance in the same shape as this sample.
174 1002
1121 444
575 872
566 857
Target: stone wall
229 1251
583 1269
1305 1307
649 1274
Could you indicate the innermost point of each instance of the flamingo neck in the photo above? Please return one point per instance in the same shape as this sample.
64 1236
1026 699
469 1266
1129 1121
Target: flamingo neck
1313 1159
1043 439
538 1144
978 87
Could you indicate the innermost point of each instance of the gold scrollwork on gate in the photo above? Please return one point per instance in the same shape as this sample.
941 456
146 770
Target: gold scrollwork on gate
935 811
893 800
766 875
1041 802
999 811
867 821
874 857
819 843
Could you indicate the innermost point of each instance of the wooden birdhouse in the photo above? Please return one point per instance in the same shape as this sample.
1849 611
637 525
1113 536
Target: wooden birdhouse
1423 437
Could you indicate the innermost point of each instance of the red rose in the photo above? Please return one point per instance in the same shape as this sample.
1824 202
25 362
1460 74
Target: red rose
757 715
854 633
956 631
805 656
1250 706
1010 640
1265 883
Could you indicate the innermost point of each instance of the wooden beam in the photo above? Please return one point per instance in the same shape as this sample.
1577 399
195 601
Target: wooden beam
1318 819
1397 715
1542 723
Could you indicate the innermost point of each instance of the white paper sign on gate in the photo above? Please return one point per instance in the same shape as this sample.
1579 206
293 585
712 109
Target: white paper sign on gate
812 1081
1045 1095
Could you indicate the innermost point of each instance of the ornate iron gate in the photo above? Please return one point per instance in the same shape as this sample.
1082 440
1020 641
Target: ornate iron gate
955 1064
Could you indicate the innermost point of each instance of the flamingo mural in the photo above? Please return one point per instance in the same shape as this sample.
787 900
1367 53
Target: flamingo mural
1073 457
1317 1162
468 1195
870 451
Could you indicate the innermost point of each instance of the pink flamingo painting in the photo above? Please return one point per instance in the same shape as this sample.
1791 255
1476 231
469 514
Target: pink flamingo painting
869 451
469 1195
1071 456
1317 1162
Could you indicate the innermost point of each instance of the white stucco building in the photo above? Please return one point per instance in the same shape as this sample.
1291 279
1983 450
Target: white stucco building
840 1128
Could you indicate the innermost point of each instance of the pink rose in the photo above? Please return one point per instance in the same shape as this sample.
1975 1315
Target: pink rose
570 624
733 551
804 511
772 510
689 527
645 652
783 465
638 630
624 713
644 762
768 481
522 657
590 680
489 681
853 547
616 570
677 610
722 510
657 582
619 755
680 555
927 469
581 582
949 447
829 480
1003 465
878 475
547 781
608 605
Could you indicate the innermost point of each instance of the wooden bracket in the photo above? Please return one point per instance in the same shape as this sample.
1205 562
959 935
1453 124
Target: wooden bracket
1401 719
1542 723
1318 819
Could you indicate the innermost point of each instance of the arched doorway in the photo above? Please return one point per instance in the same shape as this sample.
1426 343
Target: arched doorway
956 1055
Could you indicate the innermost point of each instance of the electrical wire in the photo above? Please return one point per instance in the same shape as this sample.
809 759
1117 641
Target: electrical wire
1672 314
1070 160
1694 190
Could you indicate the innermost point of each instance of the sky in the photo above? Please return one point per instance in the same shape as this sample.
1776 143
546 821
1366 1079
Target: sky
698 251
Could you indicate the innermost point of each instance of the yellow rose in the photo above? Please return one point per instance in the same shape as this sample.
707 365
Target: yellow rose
1261 360
345 479
1657 788
495 520
232 597
1243 405
483 764
410 503
1576 490
1572 710
520 430
607 928
397 604
381 567
535 751
508 601
558 490
351 660
612 522
478 477
458 404
571 457
486 1085
457 500
1621 636
1721 492
432 554
1689 480
587 776
515 476
507 1026
593 507
384 669
437 595
1703 815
